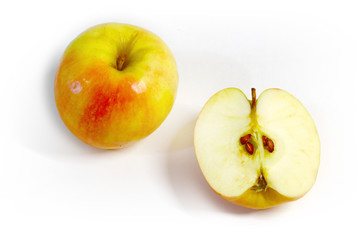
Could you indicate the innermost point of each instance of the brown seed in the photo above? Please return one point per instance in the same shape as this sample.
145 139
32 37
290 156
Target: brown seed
245 139
264 141
270 145
249 148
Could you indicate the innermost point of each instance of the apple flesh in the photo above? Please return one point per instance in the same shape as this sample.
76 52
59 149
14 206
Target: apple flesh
257 153
116 84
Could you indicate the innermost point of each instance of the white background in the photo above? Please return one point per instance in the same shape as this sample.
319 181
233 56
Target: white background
53 186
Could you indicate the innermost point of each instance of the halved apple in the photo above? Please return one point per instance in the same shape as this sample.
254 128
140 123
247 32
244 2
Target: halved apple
257 153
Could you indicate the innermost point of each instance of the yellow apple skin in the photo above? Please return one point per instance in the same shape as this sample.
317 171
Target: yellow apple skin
116 83
259 200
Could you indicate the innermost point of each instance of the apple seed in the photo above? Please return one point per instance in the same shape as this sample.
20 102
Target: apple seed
249 148
270 144
264 141
245 139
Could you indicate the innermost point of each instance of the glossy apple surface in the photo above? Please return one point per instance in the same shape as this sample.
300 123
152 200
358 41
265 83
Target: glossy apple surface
116 83
257 153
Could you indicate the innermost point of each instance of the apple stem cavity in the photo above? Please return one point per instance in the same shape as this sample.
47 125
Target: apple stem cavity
121 63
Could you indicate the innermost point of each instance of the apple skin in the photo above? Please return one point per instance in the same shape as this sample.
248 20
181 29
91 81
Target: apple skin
259 200
116 83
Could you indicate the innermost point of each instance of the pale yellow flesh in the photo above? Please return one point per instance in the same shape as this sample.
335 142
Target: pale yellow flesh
231 171
292 168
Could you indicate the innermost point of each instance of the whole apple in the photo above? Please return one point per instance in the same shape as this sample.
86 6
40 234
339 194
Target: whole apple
116 83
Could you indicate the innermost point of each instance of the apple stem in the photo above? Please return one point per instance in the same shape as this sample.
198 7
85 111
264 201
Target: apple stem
253 95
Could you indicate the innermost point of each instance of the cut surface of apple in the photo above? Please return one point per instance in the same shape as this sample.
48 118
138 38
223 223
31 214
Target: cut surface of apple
257 153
